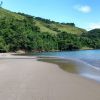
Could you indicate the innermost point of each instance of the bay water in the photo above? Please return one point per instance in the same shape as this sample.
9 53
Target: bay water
91 58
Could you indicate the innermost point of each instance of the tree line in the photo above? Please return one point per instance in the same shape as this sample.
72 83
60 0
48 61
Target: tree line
24 35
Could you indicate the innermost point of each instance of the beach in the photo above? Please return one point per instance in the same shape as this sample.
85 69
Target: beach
26 78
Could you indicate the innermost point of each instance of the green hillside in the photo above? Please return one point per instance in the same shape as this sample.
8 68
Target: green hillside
9 14
45 25
19 31
55 27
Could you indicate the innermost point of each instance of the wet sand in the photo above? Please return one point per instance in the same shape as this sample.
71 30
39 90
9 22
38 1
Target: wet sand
29 79
75 66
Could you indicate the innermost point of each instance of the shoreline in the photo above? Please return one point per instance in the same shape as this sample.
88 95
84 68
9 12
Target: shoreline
29 79
75 66
15 56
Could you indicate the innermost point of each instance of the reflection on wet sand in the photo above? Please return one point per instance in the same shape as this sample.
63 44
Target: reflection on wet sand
75 67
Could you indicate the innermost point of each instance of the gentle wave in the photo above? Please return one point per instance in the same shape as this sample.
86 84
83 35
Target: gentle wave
81 67
76 59
91 57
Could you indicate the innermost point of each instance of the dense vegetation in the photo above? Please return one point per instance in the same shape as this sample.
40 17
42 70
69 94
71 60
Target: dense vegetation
19 31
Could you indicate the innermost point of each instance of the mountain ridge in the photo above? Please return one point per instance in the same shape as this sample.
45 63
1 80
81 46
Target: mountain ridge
45 25
19 31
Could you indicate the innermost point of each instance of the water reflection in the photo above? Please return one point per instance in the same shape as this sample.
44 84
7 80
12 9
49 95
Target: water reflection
75 67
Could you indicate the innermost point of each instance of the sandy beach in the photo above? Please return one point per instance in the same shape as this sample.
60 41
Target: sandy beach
25 78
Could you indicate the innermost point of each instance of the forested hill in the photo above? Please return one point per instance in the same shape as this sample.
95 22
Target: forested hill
45 25
20 31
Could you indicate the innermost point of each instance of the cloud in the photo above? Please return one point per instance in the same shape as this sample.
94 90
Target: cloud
83 8
94 25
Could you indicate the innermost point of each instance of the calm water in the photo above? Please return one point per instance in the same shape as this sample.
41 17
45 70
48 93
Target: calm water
90 56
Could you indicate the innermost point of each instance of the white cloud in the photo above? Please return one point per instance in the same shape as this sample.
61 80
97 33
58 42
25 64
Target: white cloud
83 8
94 25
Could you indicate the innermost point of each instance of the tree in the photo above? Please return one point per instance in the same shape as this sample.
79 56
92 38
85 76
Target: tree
3 46
67 41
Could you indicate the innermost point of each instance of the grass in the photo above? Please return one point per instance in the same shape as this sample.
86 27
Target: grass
7 13
42 25
63 28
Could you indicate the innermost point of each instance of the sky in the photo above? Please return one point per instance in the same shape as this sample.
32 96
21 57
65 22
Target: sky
84 13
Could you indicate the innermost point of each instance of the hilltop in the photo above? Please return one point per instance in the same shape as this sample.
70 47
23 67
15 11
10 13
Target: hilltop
6 13
19 31
45 25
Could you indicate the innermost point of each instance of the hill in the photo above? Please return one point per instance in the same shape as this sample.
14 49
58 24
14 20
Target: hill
45 25
9 14
20 31
55 27
49 26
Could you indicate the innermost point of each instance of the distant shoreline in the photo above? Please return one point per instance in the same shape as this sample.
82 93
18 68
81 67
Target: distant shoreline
15 56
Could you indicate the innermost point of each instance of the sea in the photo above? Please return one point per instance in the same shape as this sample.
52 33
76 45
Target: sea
90 57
